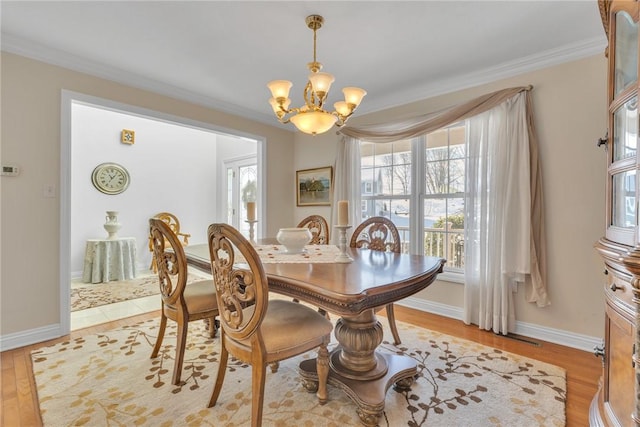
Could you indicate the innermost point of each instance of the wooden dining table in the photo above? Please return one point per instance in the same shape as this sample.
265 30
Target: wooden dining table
354 291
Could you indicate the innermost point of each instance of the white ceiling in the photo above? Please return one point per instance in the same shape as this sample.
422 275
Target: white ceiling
222 53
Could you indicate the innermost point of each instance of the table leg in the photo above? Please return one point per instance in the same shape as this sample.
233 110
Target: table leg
356 368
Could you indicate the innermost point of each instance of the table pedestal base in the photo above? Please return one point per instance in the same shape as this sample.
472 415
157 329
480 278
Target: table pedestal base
368 395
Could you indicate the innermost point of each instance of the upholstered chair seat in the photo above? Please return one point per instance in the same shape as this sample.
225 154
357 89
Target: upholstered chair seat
256 329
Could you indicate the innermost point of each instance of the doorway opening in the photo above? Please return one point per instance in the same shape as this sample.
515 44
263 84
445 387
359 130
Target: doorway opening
175 165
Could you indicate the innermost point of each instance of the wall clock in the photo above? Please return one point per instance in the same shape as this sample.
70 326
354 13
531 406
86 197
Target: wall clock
110 178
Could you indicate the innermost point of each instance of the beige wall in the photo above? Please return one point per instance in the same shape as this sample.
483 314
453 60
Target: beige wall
570 109
30 233
570 112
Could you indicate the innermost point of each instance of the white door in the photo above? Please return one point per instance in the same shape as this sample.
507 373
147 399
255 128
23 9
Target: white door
241 187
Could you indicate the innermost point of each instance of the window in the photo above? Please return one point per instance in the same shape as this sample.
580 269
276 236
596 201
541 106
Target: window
421 178
386 183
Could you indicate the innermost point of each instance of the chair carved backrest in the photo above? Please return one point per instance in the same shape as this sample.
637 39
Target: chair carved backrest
174 224
242 294
318 227
171 262
378 234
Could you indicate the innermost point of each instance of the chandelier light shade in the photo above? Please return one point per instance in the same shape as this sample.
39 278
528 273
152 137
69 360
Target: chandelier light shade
312 118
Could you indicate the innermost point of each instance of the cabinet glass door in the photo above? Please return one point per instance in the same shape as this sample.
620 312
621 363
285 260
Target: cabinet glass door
624 199
626 52
625 130
622 194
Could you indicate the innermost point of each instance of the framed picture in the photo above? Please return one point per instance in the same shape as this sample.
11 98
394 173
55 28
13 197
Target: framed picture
314 186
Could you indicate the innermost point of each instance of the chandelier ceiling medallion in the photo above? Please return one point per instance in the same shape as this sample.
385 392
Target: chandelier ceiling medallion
312 118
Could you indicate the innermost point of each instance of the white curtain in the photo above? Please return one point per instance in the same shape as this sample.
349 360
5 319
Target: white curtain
346 184
506 240
497 214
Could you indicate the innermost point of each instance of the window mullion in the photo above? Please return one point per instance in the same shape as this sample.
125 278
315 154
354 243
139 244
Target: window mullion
416 213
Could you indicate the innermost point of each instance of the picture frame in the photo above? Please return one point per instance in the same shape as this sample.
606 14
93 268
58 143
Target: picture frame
128 136
314 187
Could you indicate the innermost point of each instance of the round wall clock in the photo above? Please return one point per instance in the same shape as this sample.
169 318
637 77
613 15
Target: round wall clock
110 178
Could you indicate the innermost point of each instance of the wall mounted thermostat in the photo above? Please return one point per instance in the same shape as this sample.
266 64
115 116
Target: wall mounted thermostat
10 170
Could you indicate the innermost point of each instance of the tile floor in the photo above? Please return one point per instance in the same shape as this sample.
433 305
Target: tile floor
106 313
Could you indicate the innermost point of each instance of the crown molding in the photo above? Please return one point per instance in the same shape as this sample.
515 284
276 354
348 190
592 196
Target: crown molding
567 53
22 47
560 55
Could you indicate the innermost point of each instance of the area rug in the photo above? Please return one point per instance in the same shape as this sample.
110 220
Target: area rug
89 295
109 380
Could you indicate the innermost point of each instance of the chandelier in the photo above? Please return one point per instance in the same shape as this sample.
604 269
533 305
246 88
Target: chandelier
312 118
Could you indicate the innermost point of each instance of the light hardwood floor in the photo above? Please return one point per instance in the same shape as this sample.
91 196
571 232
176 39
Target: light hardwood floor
20 404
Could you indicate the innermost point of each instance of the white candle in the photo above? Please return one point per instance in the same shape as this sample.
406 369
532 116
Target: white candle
251 211
343 212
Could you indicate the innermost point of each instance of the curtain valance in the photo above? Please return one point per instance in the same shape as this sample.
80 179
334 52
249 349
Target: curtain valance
421 125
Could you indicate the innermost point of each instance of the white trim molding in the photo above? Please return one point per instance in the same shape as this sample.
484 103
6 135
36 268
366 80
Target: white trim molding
529 330
32 336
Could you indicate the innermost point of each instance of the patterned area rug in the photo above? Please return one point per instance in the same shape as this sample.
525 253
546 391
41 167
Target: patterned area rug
88 295
109 380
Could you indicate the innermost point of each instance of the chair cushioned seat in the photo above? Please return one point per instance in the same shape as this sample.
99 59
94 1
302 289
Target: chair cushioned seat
288 325
199 296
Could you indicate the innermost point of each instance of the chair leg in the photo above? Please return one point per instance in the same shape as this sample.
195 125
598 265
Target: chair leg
183 326
322 368
163 325
211 323
222 370
392 324
258 375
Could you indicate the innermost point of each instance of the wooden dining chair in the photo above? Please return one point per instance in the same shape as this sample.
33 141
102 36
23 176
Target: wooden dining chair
318 227
174 224
181 303
379 234
254 329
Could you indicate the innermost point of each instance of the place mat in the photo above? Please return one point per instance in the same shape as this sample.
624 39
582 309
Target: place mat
272 254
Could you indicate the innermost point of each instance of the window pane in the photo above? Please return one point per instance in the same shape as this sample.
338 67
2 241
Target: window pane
437 177
384 176
456 176
626 51
366 177
248 192
457 151
625 130
399 215
624 199
455 212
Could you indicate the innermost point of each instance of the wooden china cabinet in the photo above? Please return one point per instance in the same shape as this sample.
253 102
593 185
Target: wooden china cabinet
616 403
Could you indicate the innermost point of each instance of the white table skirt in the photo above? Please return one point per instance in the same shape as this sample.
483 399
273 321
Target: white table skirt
107 260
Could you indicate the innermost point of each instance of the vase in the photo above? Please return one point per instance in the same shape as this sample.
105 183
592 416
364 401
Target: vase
294 239
112 225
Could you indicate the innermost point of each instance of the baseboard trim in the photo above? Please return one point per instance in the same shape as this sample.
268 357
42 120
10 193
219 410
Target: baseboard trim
32 336
556 336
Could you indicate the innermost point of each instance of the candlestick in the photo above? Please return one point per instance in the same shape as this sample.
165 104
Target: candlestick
342 244
251 211
251 224
343 212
